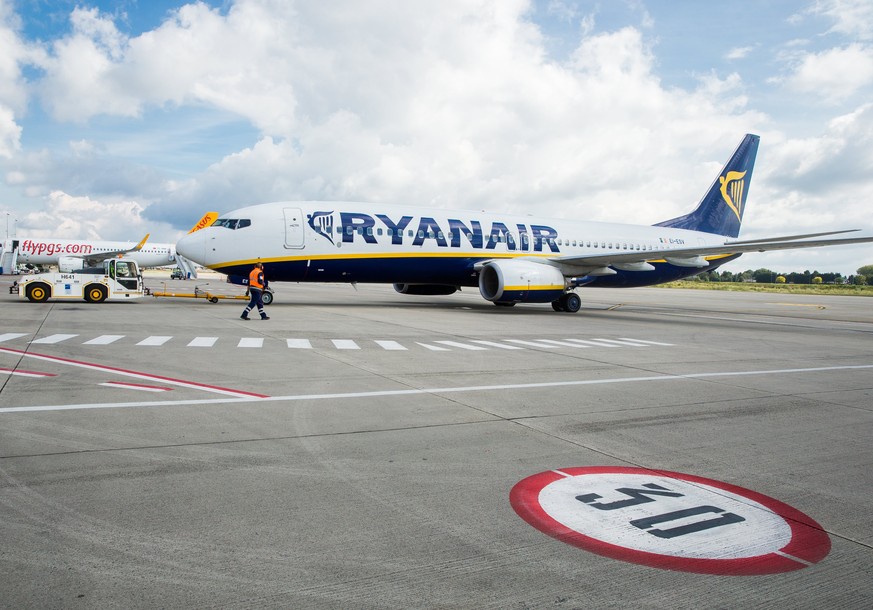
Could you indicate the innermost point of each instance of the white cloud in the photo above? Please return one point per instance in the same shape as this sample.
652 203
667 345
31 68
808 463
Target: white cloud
10 133
13 89
67 216
852 18
834 74
815 184
566 11
739 53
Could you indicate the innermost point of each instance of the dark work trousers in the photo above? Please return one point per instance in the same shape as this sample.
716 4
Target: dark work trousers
256 301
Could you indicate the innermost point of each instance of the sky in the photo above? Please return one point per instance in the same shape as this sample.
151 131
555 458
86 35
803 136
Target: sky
137 116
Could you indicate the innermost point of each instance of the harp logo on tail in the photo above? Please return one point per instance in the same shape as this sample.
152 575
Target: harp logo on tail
733 187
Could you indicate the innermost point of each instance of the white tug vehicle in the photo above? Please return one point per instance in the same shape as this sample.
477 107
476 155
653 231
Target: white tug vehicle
117 280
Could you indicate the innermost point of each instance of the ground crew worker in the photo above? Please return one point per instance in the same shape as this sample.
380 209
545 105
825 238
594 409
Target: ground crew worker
257 283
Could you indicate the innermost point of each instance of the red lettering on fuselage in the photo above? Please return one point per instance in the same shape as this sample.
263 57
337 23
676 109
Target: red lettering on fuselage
48 248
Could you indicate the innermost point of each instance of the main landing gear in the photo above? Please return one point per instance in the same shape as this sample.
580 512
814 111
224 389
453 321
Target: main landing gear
569 302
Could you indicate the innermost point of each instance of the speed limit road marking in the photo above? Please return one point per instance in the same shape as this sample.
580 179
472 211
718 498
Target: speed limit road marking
670 520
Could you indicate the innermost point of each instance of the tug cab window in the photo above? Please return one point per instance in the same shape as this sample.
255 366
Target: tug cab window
124 272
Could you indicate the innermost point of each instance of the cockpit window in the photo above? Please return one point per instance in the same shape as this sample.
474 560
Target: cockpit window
232 223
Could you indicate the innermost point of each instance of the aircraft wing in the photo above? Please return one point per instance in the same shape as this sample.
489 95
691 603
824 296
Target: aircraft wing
693 256
96 258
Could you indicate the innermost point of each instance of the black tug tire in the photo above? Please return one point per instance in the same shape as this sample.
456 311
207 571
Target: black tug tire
95 293
38 292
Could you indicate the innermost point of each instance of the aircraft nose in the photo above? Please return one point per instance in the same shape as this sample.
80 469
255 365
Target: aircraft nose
193 247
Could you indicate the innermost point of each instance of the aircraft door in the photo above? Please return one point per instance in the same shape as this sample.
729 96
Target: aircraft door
293 227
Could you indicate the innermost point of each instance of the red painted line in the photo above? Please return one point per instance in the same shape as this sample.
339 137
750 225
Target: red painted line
129 373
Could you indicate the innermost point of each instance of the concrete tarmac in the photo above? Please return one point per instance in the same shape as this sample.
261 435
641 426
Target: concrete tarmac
358 450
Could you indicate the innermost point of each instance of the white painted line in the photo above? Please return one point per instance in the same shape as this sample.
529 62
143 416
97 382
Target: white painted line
793 558
466 346
134 386
203 341
54 339
345 344
414 392
534 344
592 343
650 342
104 340
299 343
496 344
19 373
155 340
8 336
391 346
251 342
626 342
564 343
434 348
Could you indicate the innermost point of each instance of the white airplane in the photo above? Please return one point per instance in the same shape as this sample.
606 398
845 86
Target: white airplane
512 259
73 254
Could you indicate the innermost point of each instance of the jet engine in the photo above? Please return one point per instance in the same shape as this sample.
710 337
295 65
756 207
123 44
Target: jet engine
517 281
425 289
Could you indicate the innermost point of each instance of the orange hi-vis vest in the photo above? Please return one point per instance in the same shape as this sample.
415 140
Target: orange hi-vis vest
255 279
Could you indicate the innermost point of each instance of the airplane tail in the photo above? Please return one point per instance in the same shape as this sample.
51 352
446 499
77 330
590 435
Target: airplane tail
207 220
721 209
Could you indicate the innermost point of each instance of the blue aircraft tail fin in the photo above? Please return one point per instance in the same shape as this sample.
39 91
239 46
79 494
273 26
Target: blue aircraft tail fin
721 209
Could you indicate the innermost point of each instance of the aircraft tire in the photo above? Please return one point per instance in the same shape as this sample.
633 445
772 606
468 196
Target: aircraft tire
571 302
38 292
267 297
95 293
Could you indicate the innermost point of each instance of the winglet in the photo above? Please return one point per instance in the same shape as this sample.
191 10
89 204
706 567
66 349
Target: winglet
139 246
207 220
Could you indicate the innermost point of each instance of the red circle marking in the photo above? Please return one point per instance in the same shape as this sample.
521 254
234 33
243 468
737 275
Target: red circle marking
809 542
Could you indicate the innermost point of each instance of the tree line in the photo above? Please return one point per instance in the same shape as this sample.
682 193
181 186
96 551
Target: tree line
863 276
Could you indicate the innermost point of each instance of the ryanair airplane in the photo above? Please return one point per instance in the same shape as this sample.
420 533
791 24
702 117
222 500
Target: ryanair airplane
511 259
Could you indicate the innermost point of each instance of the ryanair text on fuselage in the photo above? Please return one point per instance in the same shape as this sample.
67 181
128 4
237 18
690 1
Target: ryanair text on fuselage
357 225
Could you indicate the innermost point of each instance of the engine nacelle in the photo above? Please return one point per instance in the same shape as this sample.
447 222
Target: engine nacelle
425 289
68 264
515 281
